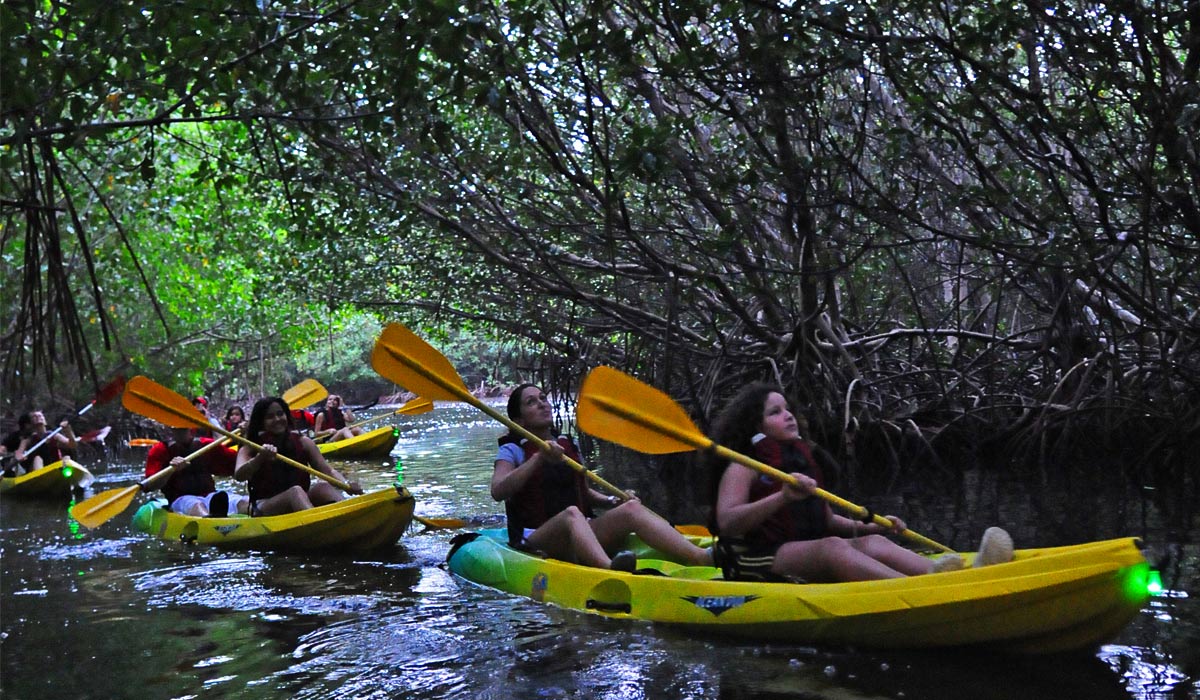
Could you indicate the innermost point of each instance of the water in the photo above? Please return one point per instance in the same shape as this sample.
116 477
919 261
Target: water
111 613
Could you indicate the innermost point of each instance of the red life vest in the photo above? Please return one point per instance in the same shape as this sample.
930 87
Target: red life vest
277 477
798 520
197 478
550 490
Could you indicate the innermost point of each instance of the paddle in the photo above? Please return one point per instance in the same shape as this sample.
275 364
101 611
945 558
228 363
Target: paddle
616 407
152 400
107 393
403 358
102 507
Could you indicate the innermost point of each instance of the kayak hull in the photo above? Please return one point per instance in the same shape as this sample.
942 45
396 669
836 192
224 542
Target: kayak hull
52 480
370 521
1044 601
375 444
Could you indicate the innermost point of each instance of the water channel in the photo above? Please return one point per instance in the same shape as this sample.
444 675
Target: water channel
111 613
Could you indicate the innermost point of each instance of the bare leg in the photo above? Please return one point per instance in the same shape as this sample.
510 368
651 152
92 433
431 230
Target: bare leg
323 493
290 501
567 536
829 559
631 516
892 555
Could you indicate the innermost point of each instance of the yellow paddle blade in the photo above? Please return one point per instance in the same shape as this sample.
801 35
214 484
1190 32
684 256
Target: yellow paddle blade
147 398
305 394
441 523
142 442
403 358
693 530
616 407
415 407
102 507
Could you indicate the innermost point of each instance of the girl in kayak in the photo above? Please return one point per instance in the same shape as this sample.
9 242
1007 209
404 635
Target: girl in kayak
774 531
277 487
234 417
549 504
333 421
49 451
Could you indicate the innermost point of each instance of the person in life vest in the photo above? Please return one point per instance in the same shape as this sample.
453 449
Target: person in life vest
190 488
772 531
201 404
549 504
10 445
275 486
47 452
234 418
332 423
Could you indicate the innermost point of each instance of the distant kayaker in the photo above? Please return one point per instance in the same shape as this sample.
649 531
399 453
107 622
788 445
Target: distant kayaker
191 488
234 418
49 451
549 504
275 486
333 421
201 404
10 444
772 531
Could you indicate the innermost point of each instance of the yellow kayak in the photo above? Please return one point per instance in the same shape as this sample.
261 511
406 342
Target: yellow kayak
375 444
369 521
1046 600
57 479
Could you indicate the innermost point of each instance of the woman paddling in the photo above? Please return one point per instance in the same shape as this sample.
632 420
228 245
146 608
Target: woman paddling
774 531
277 487
549 504
49 451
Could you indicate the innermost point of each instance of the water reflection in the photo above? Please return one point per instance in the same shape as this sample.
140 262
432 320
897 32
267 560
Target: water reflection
137 617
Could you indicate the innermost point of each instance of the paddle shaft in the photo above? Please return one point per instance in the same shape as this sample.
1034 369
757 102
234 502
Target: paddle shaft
199 421
701 442
465 395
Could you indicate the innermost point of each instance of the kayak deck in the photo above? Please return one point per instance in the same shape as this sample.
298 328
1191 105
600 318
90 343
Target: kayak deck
370 521
57 479
1045 600
375 444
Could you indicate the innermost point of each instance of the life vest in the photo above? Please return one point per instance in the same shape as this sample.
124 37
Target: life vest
303 420
197 478
550 490
48 450
806 519
277 477
336 420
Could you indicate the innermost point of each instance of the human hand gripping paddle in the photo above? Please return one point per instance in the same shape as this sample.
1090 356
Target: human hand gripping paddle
107 393
616 407
403 358
104 506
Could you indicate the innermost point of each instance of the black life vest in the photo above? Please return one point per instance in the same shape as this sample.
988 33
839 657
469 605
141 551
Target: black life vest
550 490
277 477
799 520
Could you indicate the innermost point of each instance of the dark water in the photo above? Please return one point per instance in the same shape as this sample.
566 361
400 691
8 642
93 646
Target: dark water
111 613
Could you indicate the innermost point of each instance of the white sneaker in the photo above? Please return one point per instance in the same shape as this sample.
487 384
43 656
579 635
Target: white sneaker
947 562
996 547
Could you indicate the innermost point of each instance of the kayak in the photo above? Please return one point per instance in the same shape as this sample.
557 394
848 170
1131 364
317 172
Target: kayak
370 521
375 444
57 479
1044 601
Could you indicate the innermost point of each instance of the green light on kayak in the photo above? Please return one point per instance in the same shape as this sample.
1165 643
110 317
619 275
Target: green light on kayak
67 471
399 471
1153 582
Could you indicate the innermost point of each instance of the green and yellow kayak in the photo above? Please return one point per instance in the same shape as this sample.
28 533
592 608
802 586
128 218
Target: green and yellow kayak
1046 600
369 521
375 444
57 479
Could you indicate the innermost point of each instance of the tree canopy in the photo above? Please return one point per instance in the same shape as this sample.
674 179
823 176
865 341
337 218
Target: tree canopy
924 219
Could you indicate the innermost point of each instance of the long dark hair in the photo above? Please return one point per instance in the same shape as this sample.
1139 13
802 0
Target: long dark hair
737 423
258 416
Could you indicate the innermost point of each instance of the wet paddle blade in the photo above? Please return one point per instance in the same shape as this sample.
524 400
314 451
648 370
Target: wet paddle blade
305 394
403 358
616 407
415 407
441 523
693 530
104 506
141 442
145 397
